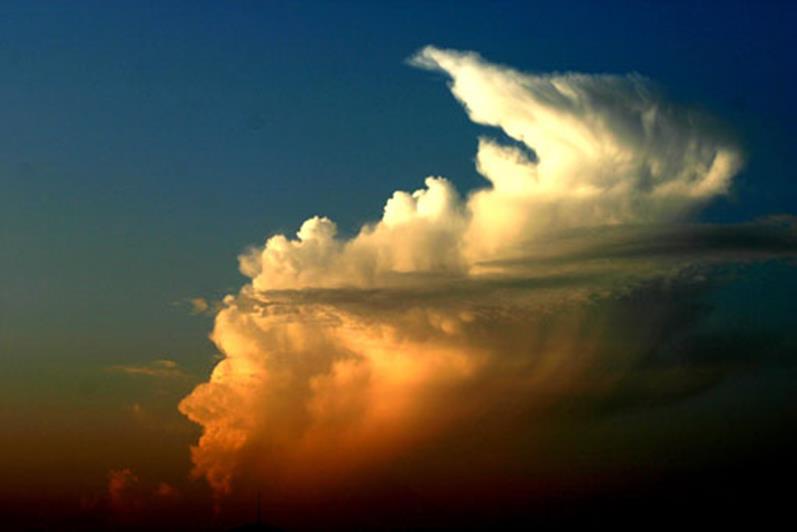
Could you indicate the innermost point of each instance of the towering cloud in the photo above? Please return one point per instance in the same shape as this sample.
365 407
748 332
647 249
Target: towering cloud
470 338
590 151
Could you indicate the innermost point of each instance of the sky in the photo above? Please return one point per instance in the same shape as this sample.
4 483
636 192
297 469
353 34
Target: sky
536 248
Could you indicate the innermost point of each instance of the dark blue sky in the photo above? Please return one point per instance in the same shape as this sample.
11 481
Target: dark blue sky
143 145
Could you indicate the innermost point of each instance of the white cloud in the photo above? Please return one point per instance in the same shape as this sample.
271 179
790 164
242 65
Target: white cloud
609 150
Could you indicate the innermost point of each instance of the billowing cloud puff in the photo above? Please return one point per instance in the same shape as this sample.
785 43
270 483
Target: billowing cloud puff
419 232
470 339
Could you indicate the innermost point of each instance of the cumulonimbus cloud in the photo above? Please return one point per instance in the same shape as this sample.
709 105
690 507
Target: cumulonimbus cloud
444 339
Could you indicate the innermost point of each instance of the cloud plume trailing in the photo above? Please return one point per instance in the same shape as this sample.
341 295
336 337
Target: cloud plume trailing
467 337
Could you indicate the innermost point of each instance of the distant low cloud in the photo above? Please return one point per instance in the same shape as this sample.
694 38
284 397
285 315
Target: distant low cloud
160 369
605 150
199 305
481 336
130 499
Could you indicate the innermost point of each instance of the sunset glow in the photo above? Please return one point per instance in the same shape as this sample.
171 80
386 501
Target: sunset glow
529 276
